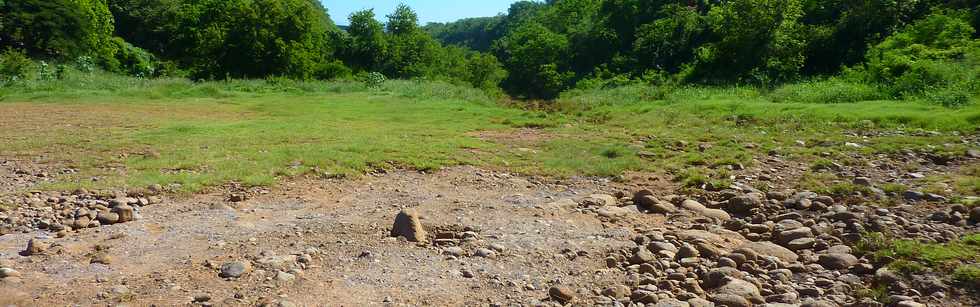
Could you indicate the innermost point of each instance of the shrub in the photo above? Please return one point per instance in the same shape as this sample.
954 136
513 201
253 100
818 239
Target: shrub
61 71
374 80
85 64
132 60
44 71
14 65
968 276
331 70
932 59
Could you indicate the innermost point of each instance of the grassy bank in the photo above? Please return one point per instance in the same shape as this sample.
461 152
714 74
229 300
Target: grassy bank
131 132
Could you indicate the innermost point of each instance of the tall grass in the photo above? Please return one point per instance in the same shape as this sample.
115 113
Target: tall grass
809 103
831 91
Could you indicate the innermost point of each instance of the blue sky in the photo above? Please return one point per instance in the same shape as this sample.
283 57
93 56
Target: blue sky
428 10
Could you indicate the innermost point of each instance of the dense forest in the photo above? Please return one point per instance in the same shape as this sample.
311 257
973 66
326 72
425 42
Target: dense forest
900 49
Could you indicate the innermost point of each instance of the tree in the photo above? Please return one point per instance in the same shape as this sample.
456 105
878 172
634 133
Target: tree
473 33
669 42
533 55
483 71
366 48
411 55
759 41
403 20
252 38
56 28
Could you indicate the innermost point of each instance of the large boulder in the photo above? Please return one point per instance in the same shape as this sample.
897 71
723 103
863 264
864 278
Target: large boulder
407 225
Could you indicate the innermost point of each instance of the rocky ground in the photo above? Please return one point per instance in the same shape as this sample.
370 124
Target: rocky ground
467 236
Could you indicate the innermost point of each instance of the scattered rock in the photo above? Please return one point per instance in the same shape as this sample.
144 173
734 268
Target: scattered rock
285 277
745 203
8 272
671 302
600 200
730 300
740 288
407 225
108 218
975 215
484 253
101 258
771 249
617 291
561 294
235 269
35 247
837 261
662 208
125 213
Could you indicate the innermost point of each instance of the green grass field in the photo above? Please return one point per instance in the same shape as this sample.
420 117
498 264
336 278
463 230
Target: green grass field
130 132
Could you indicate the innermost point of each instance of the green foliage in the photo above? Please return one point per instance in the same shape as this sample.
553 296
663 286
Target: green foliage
919 50
411 55
61 71
366 47
251 38
934 58
881 248
45 72
757 41
968 276
84 64
669 42
57 28
14 66
132 60
332 70
403 20
474 33
533 54
374 80
835 90
483 71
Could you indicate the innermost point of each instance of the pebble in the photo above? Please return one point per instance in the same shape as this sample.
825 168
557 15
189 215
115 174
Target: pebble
484 253
235 269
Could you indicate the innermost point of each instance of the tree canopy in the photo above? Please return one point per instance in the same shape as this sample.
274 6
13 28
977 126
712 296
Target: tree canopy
536 50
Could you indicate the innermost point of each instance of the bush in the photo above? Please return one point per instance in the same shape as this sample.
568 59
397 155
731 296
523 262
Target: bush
14 66
44 71
61 72
968 276
85 64
374 79
132 60
933 59
826 91
332 70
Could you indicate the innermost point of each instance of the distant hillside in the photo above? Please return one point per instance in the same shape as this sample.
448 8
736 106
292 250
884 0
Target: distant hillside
474 33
